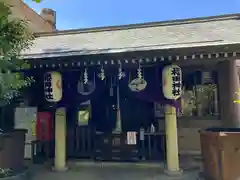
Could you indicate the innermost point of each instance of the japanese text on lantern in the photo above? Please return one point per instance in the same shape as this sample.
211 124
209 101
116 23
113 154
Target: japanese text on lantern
48 86
172 82
176 89
53 86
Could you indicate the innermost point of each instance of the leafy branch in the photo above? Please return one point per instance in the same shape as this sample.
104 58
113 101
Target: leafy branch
37 1
15 37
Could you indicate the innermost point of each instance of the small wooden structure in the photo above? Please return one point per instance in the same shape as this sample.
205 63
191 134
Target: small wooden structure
220 149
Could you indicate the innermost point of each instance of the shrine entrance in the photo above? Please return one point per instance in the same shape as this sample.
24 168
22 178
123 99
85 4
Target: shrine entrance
116 123
106 111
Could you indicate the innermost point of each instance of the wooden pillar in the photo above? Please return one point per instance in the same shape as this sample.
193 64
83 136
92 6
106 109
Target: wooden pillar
228 81
171 141
60 140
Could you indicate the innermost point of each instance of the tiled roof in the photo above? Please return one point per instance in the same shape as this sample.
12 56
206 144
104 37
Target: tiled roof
218 30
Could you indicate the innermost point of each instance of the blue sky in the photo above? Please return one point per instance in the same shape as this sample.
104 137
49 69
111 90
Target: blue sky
72 14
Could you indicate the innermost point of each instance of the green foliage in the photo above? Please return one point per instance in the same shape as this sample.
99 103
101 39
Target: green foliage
14 38
37 1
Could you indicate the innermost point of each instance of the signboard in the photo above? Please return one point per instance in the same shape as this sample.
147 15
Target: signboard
25 118
131 138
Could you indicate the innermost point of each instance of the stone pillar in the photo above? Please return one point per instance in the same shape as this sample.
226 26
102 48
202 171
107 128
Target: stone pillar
171 141
228 81
60 140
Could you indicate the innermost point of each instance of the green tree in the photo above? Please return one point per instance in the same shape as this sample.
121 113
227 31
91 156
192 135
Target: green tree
14 38
37 1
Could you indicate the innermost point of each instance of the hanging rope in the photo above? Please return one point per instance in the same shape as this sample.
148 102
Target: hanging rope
120 72
85 76
139 72
102 73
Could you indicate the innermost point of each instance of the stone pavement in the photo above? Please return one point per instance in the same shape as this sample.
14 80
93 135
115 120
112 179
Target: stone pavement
110 172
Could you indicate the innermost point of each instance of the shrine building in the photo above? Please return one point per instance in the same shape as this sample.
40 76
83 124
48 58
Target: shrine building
138 92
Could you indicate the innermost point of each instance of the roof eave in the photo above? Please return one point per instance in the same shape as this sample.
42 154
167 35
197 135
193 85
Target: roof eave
179 47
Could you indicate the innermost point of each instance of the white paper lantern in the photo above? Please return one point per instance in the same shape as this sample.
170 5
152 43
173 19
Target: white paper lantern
172 82
53 86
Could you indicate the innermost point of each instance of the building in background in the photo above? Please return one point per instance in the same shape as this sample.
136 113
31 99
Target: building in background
43 22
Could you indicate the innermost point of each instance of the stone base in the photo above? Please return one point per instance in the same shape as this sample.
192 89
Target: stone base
173 173
60 169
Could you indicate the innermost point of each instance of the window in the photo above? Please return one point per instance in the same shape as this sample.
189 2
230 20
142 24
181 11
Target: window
199 96
201 100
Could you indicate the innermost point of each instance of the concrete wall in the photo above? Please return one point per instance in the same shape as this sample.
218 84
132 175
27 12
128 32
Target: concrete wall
188 133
